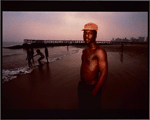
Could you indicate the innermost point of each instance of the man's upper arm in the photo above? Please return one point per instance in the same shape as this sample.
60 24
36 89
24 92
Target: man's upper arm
102 61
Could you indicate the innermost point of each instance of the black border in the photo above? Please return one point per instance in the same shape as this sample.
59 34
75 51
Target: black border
76 114
87 6
75 6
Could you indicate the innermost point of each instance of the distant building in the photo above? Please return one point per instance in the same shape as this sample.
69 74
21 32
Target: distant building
113 39
146 39
131 38
134 39
141 39
125 40
118 40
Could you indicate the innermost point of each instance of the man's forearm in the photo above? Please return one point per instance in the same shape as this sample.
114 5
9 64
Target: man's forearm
101 80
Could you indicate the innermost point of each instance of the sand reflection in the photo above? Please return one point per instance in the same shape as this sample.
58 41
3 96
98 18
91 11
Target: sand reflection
121 53
121 56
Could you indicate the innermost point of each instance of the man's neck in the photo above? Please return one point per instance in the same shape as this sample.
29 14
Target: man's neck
92 45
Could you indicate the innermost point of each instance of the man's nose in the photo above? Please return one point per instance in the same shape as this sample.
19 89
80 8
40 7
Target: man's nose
87 35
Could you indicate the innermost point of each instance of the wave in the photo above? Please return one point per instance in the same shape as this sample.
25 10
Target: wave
10 74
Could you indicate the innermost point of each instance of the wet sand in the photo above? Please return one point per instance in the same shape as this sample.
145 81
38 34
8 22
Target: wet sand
54 85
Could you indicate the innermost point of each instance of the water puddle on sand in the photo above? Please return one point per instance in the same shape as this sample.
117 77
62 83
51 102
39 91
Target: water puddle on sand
126 82
126 67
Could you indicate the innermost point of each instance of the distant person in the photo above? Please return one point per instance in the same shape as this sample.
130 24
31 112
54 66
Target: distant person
46 53
93 70
121 53
122 48
32 54
29 57
67 46
41 54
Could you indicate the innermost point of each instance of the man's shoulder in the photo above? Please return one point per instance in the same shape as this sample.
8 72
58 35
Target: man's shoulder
84 49
100 50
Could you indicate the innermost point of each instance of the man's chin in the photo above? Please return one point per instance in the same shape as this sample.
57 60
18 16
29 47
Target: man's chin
86 42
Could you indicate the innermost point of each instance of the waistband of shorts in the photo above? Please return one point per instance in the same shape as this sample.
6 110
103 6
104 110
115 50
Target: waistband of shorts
83 83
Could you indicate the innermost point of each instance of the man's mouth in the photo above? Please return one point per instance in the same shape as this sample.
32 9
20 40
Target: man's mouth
86 40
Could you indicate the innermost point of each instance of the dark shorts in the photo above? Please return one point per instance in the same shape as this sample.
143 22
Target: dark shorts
85 98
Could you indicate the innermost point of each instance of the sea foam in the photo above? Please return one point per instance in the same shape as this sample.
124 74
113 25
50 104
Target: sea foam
10 74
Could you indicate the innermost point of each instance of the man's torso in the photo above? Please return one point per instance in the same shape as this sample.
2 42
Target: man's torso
90 67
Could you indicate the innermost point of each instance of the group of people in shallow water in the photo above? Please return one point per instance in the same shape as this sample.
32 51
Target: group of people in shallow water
30 56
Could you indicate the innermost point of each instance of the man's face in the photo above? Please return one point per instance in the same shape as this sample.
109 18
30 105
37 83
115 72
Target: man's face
89 36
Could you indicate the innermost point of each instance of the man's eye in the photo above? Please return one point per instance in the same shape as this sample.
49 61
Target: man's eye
87 33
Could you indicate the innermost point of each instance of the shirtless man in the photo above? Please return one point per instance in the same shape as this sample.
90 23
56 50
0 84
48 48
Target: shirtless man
93 70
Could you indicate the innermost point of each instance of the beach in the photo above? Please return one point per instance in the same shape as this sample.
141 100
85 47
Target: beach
54 85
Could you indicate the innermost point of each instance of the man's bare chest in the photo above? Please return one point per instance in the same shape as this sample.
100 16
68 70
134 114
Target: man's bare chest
89 57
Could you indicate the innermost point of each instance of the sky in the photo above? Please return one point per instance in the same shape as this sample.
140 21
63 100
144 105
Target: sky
17 26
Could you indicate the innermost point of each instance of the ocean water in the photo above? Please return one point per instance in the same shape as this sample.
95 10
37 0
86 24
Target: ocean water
14 61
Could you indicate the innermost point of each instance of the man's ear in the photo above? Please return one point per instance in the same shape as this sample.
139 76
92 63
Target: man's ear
95 36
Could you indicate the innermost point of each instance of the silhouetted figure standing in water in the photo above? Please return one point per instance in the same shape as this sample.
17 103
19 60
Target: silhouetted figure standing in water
32 54
67 46
46 53
121 53
41 54
29 57
122 48
93 70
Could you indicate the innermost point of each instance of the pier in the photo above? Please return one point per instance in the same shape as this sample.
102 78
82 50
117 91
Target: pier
75 42
28 43
68 42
